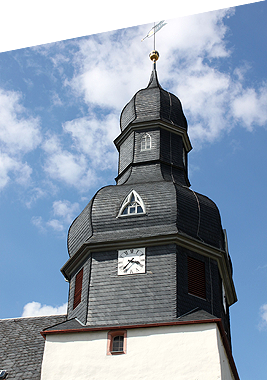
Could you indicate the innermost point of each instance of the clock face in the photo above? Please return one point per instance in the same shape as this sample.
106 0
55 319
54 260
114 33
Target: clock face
131 261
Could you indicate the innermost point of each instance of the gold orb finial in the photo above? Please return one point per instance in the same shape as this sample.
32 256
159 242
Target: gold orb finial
154 55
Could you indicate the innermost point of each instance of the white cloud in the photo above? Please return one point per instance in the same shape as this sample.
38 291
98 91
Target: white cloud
65 166
94 138
19 134
111 67
65 209
18 131
63 214
37 221
91 150
249 106
35 309
12 167
263 316
55 224
33 195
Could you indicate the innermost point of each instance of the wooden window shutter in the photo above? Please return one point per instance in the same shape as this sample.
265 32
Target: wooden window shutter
196 277
78 289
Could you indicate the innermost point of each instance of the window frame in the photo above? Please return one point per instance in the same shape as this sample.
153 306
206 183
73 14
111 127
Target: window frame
126 204
111 335
146 138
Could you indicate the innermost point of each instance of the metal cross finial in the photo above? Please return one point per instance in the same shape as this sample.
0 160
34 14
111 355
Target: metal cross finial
154 55
154 30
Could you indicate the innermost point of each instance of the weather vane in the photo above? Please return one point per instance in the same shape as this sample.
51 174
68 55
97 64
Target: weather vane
154 55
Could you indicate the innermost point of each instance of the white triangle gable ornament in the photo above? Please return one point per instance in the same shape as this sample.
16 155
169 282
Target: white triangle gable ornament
132 205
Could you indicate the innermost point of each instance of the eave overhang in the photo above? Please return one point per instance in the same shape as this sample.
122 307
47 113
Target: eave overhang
154 124
178 238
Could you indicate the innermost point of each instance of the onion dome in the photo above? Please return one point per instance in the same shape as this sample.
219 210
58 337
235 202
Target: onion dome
151 104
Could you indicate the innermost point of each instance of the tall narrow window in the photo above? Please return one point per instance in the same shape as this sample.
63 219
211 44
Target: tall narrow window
78 289
196 277
132 205
146 142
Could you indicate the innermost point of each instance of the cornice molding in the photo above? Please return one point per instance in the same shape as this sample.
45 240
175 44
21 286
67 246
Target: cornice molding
154 124
179 239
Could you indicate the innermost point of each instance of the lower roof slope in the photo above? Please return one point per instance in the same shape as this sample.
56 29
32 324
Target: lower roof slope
22 346
71 325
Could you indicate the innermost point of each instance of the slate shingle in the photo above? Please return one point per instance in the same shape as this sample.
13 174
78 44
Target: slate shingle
22 346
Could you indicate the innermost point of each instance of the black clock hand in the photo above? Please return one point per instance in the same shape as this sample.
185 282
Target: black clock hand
129 261
138 262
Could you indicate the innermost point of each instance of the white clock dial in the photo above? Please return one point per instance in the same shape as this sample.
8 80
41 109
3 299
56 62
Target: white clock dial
131 261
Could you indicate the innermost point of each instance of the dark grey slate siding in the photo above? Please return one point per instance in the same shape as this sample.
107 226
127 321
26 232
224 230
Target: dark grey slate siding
166 151
22 346
153 103
210 225
80 311
133 299
177 175
120 180
165 154
213 302
199 217
149 173
169 206
128 114
171 109
159 199
147 104
126 152
80 230
171 148
150 154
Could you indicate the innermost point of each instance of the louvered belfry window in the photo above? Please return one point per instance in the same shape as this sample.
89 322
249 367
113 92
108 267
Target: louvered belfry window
78 289
196 277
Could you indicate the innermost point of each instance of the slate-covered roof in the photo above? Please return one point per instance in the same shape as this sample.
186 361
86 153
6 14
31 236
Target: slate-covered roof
170 208
22 346
151 104
74 324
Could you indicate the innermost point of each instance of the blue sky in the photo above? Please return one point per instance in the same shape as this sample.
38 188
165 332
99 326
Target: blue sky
59 113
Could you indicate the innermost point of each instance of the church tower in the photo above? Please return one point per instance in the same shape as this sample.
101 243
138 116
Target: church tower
149 270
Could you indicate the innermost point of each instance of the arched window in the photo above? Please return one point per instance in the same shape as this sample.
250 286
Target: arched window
117 342
146 142
132 205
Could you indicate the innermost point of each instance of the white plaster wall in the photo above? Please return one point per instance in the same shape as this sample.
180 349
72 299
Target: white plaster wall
185 352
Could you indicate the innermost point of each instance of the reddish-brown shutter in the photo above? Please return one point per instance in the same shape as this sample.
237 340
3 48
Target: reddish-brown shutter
196 277
78 289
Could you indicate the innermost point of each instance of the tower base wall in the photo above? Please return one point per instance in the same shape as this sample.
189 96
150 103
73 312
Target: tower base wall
193 351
